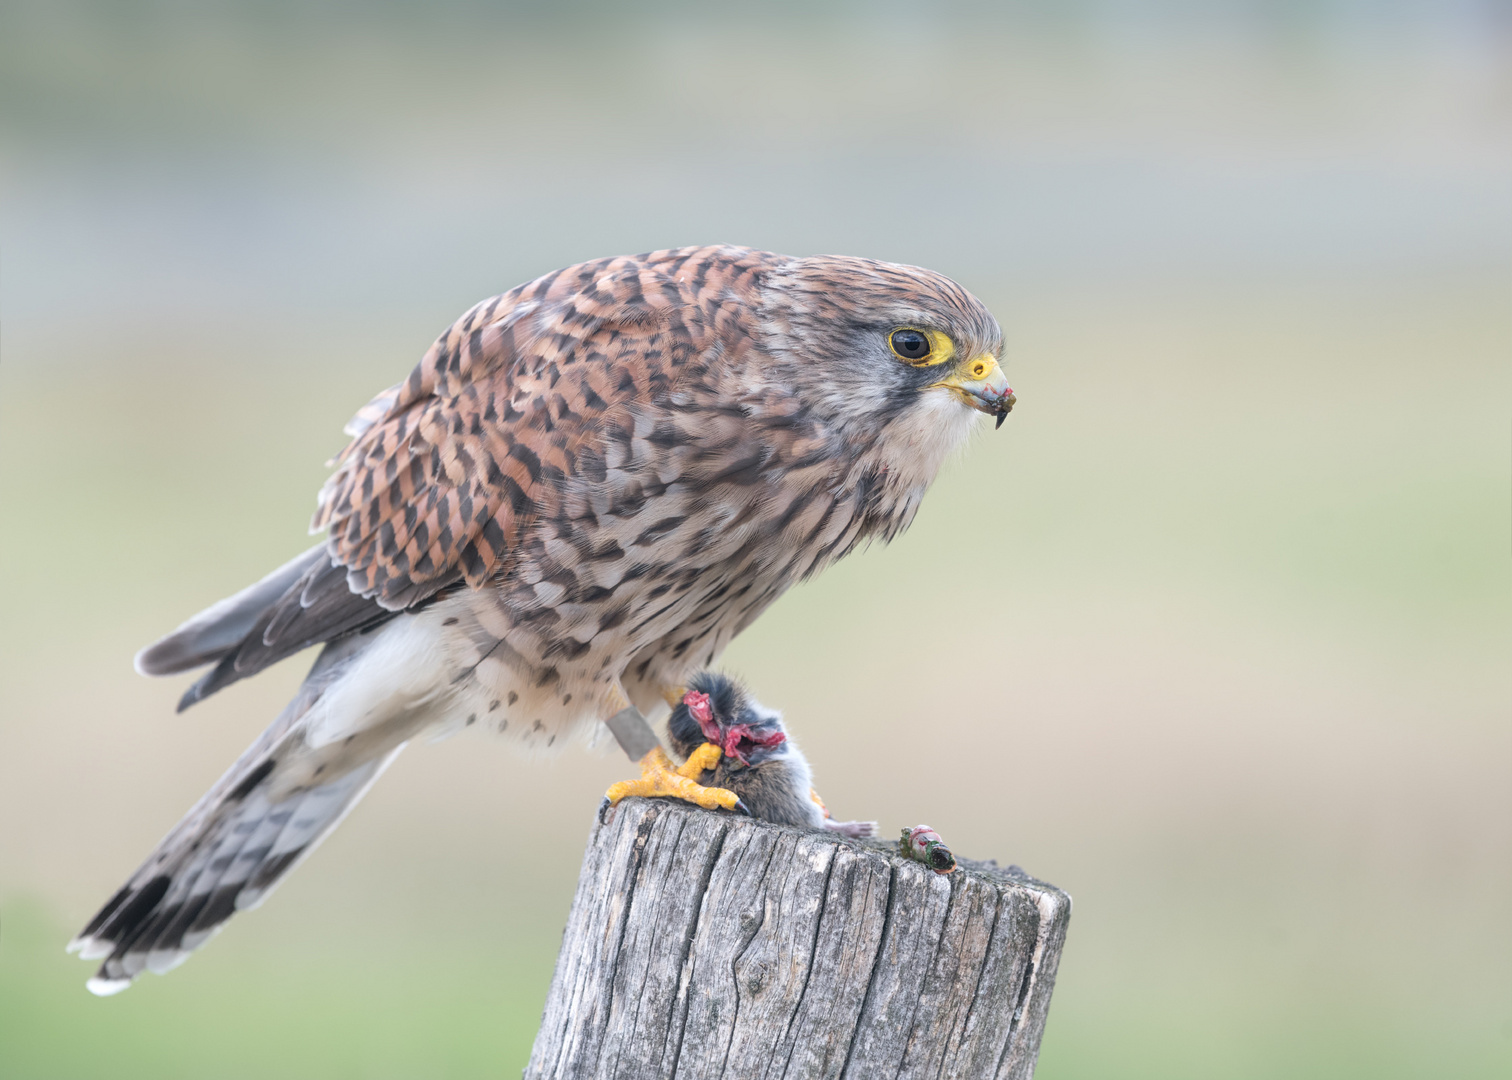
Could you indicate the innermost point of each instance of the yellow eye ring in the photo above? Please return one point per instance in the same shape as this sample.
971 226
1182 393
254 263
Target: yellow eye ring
911 345
921 348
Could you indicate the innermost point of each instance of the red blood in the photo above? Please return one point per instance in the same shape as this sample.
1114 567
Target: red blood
730 741
702 711
741 734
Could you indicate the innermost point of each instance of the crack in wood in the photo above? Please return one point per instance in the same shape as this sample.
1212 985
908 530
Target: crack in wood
808 971
871 981
758 921
684 968
999 902
639 998
1020 999
703 944
611 963
932 959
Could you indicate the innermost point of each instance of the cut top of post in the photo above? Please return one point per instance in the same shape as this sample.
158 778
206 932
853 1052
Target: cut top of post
706 944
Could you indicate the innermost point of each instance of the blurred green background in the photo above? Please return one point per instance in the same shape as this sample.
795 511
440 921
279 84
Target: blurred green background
1214 633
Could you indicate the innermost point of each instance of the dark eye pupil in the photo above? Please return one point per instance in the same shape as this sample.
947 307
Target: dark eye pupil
910 344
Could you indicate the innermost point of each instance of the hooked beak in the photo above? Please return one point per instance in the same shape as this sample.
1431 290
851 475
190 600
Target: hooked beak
981 383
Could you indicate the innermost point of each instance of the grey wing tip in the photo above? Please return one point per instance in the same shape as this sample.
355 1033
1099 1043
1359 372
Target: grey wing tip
218 629
142 663
163 657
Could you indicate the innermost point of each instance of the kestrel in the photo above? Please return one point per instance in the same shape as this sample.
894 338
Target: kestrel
588 486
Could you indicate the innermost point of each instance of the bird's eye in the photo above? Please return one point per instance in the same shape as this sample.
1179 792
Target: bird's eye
911 345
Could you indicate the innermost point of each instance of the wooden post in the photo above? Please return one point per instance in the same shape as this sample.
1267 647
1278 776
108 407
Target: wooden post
703 944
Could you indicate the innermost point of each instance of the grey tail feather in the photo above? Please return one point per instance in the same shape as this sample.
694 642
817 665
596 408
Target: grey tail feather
230 851
218 629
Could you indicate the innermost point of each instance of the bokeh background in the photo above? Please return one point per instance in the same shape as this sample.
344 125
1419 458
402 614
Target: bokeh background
1214 633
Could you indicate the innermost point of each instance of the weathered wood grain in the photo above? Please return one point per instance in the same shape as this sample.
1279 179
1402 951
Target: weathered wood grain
704 944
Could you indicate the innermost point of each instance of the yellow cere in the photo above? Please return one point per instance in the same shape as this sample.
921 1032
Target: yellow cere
975 370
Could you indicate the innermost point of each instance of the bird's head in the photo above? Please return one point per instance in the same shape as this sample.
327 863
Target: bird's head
875 343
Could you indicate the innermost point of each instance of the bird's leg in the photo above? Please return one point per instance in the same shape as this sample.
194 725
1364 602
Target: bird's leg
659 778
673 695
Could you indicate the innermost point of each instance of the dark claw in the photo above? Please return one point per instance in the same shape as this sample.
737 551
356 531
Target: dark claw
742 808
605 811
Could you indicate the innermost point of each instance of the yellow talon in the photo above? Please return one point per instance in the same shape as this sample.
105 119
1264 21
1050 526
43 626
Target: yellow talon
673 695
699 761
659 779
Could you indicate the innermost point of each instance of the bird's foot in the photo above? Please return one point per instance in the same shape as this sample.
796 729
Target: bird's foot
661 779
